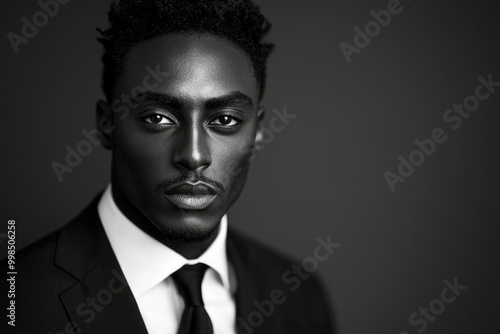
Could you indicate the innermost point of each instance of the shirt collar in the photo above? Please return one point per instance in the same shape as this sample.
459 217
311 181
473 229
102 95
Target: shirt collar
144 260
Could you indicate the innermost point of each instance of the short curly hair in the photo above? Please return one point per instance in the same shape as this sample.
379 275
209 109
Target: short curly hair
136 21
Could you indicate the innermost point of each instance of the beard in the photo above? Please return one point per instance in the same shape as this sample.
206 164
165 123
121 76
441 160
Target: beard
187 229
187 235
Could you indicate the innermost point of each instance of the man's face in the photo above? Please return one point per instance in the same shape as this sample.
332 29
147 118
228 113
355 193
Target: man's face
181 154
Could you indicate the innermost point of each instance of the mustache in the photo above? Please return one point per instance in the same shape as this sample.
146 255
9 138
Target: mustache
192 178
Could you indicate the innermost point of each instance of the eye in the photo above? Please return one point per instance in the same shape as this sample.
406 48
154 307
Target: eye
158 119
225 121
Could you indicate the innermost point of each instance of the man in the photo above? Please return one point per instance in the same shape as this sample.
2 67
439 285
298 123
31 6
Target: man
183 81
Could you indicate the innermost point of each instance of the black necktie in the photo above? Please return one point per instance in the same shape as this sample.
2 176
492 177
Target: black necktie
195 319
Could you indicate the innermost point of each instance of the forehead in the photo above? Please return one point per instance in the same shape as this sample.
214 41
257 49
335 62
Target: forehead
194 66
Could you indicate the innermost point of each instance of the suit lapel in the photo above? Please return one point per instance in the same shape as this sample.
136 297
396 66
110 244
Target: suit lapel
252 287
100 301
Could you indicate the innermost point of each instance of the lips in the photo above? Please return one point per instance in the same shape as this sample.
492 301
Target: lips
191 202
191 196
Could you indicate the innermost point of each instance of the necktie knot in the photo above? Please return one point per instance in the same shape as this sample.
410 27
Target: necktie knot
188 280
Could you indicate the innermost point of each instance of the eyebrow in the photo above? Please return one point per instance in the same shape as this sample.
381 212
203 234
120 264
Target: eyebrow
234 98
161 98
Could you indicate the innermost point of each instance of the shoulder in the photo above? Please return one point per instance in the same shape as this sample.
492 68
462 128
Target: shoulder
305 300
37 263
42 251
266 259
40 281
32 257
38 258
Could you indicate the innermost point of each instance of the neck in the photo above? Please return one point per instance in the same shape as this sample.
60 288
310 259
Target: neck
189 250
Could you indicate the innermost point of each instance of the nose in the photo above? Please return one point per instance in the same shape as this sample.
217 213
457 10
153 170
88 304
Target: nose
192 152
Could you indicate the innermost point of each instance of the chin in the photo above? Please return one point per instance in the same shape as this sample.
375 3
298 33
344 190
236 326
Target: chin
187 226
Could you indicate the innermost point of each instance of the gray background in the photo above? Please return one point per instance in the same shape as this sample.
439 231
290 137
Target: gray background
323 174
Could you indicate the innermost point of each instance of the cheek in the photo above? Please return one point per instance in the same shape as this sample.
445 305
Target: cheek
233 158
139 160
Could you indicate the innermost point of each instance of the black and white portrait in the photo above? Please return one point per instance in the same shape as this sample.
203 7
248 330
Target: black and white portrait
250 166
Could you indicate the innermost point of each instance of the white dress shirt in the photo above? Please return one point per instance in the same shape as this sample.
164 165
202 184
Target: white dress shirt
147 265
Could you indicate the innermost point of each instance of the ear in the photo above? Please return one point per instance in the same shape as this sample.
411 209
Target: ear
105 123
259 135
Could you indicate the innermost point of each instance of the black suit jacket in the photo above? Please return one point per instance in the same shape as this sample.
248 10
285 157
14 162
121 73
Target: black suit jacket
71 282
